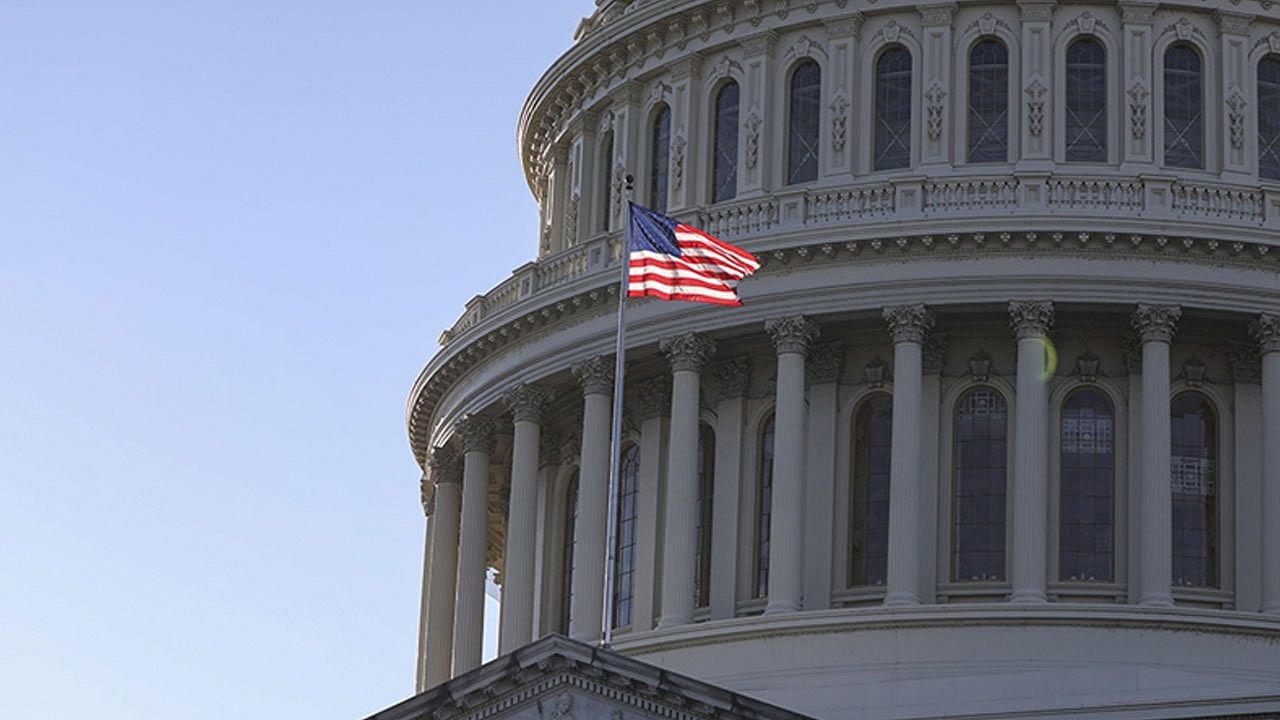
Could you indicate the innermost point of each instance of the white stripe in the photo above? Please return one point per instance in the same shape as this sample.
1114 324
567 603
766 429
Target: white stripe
681 290
677 276
704 242
693 264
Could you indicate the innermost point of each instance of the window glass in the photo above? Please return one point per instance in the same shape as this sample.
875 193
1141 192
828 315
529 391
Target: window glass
725 159
1087 479
869 521
606 181
893 109
570 544
989 102
1193 475
660 159
1086 105
802 142
1269 117
1183 108
978 501
764 501
706 499
623 588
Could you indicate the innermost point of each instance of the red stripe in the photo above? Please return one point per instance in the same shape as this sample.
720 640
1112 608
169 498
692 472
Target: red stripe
683 268
684 281
741 254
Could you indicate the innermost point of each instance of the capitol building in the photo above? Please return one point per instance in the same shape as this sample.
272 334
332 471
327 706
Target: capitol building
996 432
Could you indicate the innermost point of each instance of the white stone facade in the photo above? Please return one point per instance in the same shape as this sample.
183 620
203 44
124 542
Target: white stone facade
953 292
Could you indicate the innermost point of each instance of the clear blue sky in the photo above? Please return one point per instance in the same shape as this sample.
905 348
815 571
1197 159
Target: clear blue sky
230 234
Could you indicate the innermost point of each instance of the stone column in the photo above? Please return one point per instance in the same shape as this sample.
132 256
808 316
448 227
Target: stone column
1031 320
596 377
823 373
1267 332
733 380
687 353
792 337
527 403
1155 325
908 326
446 472
427 491
468 623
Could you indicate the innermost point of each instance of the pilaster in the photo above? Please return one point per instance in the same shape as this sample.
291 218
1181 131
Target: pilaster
732 379
1037 79
1267 332
839 91
1137 131
825 363
754 158
686 118
1238 119
935 128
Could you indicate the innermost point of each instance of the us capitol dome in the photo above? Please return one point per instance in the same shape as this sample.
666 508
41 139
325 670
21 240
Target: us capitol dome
996 433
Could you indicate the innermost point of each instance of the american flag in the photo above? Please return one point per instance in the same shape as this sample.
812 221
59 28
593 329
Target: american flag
673 261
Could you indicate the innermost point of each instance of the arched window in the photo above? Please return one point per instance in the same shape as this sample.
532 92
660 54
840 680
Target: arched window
893 109
606 181
802 137
1086 101
764 505
660 155
1183 108
706 498
724 176
1088 468
978 487
869 490
1269 117
989 102
567 559
628 488
1193 474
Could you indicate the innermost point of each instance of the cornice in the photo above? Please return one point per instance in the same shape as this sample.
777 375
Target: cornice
594 295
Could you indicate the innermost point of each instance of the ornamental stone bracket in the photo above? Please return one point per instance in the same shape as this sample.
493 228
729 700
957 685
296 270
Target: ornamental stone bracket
824 364
595 375
1156 323
1031 318
1266 330
909 323
733 377
687 352
793 334
653 398
527 402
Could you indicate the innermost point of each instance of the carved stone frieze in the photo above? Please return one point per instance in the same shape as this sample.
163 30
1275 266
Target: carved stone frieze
571 220
653 398
595 375
846 26
1138 95
1266 330
752 126
477 433
678 145
935 109
733 377
935 353
839 122
1031 318
1245 363
1235 116
1156 323
687 352
527 402
550 444
932 14
824 363
1035 106
909 323
792 334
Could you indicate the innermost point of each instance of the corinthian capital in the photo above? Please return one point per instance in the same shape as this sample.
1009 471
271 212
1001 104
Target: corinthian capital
825 363
687 352
792 334
909 323
476 432
595 375
527 402
733 377
1156 323
445 466
1031 318
1266 330
653 398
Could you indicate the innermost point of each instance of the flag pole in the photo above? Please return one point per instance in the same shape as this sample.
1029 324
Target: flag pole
615 447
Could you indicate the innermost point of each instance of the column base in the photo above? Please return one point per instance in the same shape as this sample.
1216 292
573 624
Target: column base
1271 609
665 623
781 608
901 599
1028 597
1159 600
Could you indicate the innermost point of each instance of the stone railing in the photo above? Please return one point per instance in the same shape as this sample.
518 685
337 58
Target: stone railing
1150 198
